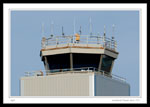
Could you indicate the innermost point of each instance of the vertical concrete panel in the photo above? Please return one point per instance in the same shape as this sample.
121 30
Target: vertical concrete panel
69 84
22 87
105 86
91 85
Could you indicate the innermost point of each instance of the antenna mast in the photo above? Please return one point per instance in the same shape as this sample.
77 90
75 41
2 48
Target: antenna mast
90 27
74 27
113 28
43 29
62 31
104 37
52 27
80 30
104 31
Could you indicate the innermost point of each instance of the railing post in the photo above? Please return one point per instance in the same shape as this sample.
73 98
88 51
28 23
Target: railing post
56 41
68 39
98 40
115 45
87 40
71 39
43 42
46 42
111 44
104 42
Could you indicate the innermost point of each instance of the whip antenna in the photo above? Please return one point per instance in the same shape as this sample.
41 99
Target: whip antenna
90 26
52 28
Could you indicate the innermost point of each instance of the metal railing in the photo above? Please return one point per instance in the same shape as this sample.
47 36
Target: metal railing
84 39
75 70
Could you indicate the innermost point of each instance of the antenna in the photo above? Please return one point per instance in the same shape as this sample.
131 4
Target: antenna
104 37
104 31
52 27
42 29
62 31
113 28
74 26
80 30
90 26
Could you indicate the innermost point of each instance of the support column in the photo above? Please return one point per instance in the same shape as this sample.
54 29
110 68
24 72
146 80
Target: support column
46 65
111 67
100 63
71 61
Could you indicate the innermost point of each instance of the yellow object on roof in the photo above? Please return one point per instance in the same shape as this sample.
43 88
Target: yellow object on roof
77 36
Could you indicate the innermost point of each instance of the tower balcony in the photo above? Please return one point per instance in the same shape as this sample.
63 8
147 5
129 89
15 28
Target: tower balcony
61 52
84 41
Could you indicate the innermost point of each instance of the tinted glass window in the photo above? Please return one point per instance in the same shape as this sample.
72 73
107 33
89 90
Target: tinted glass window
106 63
60 61
86 60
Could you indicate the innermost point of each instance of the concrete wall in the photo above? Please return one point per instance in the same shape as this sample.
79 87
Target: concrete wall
105 86
73 84
77 84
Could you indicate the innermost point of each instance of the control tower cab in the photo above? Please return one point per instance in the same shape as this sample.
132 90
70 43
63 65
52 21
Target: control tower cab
78 52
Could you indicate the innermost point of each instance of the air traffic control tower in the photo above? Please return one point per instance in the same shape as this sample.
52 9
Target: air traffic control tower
76 65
